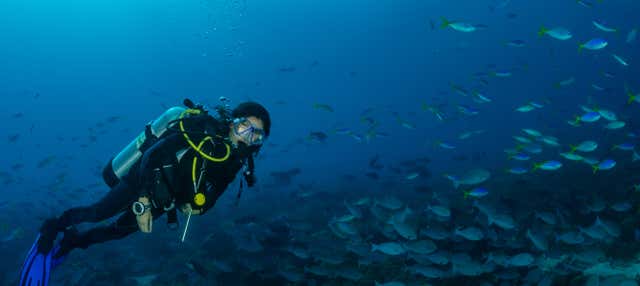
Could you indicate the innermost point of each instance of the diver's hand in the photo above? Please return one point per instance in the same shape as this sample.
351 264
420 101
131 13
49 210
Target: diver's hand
186 208
145 220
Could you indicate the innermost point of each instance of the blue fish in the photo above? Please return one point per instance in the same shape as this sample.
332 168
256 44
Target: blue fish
592 116
548 165
593 44
476 193
520 157
607 164
517 170
627 146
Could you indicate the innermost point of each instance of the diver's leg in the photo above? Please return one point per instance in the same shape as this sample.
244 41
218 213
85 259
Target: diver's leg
115 201
124 226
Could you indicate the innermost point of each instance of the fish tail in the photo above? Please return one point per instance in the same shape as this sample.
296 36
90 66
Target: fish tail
536 166
573 149
632 97
595 168
580 47
456 184
465 194
445 22
577 120
542 31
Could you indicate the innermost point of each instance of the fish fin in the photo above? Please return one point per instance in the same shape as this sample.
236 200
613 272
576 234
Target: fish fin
536 166
542 31
445 23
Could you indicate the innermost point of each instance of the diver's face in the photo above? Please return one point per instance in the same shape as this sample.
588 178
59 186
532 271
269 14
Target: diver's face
249 131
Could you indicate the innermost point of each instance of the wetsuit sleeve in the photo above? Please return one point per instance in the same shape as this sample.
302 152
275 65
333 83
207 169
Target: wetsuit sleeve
162 152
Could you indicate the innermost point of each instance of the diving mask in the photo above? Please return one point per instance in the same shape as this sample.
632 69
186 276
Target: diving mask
249 133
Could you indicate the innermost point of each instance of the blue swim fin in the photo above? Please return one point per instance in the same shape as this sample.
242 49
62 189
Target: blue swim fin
36 269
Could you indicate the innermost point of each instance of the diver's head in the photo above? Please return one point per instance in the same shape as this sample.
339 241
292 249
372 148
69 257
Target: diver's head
250 124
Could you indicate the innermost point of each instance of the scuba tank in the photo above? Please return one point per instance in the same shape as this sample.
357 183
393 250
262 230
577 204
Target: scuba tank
120 165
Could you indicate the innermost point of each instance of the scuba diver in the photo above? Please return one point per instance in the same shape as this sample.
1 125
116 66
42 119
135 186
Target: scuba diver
184 160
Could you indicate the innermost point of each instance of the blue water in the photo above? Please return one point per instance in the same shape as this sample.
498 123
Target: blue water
67 66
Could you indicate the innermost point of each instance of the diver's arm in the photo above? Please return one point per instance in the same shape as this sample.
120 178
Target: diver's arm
145 220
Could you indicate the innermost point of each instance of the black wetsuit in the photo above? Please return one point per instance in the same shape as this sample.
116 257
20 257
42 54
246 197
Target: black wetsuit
140 181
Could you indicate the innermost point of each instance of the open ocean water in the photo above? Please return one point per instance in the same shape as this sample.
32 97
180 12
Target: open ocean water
414 142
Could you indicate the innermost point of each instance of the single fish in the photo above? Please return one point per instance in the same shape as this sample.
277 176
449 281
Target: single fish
602 27
471 177
532 132
585 146
388 248
501 220
589 117
324 107
515 43
520 157
535 104
445 145
525 108
550 140
480 98
440 211
521 260
607 164
620 60
412 176
571 238
421 246
476 193
627 146
615 125
593 44
467 110
469 233
558 33
547 165
517 170
458 26
522 139
565 82
571 156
